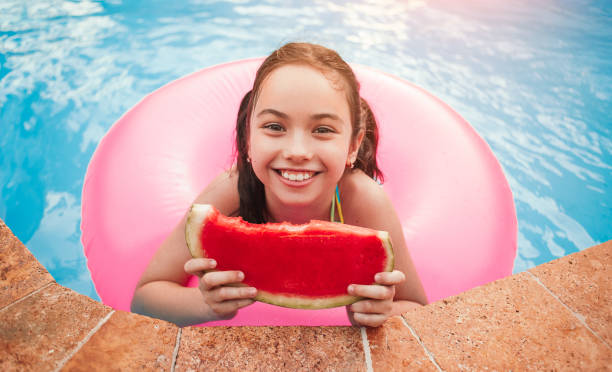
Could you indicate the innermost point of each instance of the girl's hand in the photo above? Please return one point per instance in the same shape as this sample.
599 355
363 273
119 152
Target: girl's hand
378 305
218 288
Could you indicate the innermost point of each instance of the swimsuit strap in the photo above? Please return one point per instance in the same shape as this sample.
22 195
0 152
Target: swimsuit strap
336 201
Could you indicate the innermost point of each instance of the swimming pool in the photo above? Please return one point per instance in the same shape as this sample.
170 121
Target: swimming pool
534 79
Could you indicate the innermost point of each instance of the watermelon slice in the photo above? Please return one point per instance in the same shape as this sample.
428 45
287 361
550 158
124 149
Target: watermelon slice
299 266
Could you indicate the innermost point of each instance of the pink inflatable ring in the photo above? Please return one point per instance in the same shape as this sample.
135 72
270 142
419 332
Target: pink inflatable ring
451 195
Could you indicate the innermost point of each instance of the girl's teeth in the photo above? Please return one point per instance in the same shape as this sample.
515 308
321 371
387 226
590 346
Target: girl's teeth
296 177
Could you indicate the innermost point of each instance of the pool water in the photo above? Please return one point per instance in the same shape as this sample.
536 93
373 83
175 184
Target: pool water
533 78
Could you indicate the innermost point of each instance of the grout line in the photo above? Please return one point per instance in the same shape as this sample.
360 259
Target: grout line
95 329
366 349
578 316
27 296
176 349
429 354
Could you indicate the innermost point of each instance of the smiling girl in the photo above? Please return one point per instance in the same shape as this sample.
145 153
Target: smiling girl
304 138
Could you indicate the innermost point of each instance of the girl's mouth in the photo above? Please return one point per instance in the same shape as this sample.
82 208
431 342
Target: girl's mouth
296 175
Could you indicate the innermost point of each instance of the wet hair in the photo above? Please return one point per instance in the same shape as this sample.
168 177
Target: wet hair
250 188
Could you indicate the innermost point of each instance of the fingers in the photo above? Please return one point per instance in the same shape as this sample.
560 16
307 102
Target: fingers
378 292
225 301
370 313
368 320
222 286
390 278
377 306
372 307
225 294
385 288
222 290
214 279
228 309
197 266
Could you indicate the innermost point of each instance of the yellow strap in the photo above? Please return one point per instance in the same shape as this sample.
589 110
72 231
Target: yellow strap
339 205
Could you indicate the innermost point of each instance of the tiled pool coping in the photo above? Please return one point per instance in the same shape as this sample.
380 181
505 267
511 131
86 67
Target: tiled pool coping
557 316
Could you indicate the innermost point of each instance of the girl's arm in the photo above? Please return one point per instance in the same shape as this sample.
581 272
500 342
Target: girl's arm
160 293
365 203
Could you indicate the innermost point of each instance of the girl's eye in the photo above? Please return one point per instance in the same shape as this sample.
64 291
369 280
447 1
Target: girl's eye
324 130
274 127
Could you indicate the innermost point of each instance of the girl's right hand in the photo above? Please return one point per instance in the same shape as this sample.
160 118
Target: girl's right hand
216 287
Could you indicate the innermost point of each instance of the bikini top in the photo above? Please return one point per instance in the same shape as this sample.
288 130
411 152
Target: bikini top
336 202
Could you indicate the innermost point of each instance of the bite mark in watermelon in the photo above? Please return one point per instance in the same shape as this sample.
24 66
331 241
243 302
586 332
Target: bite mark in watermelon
300 266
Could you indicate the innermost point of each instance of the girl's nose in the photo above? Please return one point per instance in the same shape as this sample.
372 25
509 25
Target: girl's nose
297 148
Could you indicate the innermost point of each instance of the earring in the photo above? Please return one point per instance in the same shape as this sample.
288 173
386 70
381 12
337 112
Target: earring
349 164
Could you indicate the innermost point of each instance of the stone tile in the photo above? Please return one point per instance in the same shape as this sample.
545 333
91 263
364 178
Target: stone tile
40 331
510 324
127 342
583 281
20 272
394 348
271 349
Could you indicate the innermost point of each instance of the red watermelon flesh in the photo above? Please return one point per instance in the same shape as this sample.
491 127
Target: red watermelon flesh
300 266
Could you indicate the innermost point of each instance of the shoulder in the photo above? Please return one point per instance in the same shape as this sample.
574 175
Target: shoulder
365 202
222 192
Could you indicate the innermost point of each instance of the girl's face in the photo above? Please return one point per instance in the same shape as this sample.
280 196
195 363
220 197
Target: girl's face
300 136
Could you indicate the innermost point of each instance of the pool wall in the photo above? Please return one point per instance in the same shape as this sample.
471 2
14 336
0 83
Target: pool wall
556 316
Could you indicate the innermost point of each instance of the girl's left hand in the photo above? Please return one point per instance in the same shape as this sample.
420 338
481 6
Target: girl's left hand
378 305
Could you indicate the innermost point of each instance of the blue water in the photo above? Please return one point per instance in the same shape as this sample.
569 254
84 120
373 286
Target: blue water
533 77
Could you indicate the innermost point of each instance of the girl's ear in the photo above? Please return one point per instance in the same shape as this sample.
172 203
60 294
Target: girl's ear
354 148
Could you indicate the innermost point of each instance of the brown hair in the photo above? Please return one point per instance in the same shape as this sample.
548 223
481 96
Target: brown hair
250 188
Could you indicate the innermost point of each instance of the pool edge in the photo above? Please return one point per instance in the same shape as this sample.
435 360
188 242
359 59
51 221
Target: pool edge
552 316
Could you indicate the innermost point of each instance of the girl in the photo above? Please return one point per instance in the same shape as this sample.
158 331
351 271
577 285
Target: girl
303 136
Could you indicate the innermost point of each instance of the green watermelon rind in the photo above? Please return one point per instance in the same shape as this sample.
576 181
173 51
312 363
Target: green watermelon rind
200 213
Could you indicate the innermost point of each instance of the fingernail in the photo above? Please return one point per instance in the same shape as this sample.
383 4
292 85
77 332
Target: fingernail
377 277
351 288
240 275
213 263
252 291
